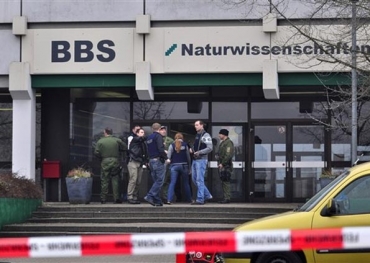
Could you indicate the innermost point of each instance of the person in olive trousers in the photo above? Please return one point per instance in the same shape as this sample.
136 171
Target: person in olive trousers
225 162
109 150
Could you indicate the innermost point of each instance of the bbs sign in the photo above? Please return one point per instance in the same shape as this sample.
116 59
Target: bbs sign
83 51
73 51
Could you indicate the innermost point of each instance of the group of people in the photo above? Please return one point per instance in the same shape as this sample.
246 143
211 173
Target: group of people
168 160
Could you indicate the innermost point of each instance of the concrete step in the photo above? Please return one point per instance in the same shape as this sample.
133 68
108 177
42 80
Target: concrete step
145 207
148 214
60 229
59 219
135 218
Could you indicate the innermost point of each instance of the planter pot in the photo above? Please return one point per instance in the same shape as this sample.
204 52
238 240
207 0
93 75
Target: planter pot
325 181
79 190
16 210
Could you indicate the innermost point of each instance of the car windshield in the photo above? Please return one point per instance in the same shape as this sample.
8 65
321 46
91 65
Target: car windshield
323 192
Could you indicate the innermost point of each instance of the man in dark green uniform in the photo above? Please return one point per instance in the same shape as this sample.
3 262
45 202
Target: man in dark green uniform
109 150
225 163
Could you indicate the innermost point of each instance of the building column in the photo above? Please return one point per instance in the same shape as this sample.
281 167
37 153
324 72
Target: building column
24 120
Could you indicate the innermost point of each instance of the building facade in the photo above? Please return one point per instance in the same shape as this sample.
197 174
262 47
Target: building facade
71 68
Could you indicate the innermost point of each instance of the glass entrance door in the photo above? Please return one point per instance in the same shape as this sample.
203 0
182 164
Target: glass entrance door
307 162
287 160
237 183
269 162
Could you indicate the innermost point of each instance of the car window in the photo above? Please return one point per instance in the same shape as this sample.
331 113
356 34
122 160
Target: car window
310 204
355 197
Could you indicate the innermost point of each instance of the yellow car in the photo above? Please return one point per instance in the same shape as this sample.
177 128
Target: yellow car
345 202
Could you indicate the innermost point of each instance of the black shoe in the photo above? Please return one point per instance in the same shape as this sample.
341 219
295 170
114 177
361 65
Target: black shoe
150 201
158 204
168 203
226 201
133 202
118 201
102 202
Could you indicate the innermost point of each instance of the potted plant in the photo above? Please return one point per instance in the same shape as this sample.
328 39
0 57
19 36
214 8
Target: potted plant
19 198
79 186
326 177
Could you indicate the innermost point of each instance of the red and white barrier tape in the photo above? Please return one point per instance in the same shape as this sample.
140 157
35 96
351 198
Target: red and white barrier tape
180 243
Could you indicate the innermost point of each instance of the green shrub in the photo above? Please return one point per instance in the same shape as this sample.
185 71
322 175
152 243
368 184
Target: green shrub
14 186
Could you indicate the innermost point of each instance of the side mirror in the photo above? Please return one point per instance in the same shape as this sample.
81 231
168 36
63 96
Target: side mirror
331 208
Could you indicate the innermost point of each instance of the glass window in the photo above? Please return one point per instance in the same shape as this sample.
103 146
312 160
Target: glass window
288 110
342 130
6 121
115 115
275 110
38 131
270 146
230 111
88 120
160 110
355 198
340 133
308 147
363 131
6 128
340 146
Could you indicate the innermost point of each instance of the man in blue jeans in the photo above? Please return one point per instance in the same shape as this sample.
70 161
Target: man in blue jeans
202 147
157 159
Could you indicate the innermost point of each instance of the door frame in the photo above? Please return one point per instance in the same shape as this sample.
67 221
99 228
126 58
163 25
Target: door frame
289 158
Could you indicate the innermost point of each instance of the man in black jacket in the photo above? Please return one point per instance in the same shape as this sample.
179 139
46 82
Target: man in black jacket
157 158
133 134
138 155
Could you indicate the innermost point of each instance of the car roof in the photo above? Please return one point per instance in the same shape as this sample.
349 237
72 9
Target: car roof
360 168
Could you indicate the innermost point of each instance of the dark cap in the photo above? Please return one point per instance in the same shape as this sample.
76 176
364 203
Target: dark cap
163 127
224 132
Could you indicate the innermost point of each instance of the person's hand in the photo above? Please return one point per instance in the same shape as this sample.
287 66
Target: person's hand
168 161
220 166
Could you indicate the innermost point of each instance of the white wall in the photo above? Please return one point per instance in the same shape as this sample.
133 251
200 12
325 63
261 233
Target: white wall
164 10
8 9
9 51
176 10
81 10
160 10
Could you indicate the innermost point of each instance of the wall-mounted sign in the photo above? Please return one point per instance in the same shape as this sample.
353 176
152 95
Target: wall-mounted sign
103 50
244 48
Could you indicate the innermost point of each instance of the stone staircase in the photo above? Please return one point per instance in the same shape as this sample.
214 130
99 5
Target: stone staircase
61 219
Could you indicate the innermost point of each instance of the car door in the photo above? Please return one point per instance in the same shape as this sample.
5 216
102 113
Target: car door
354 210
